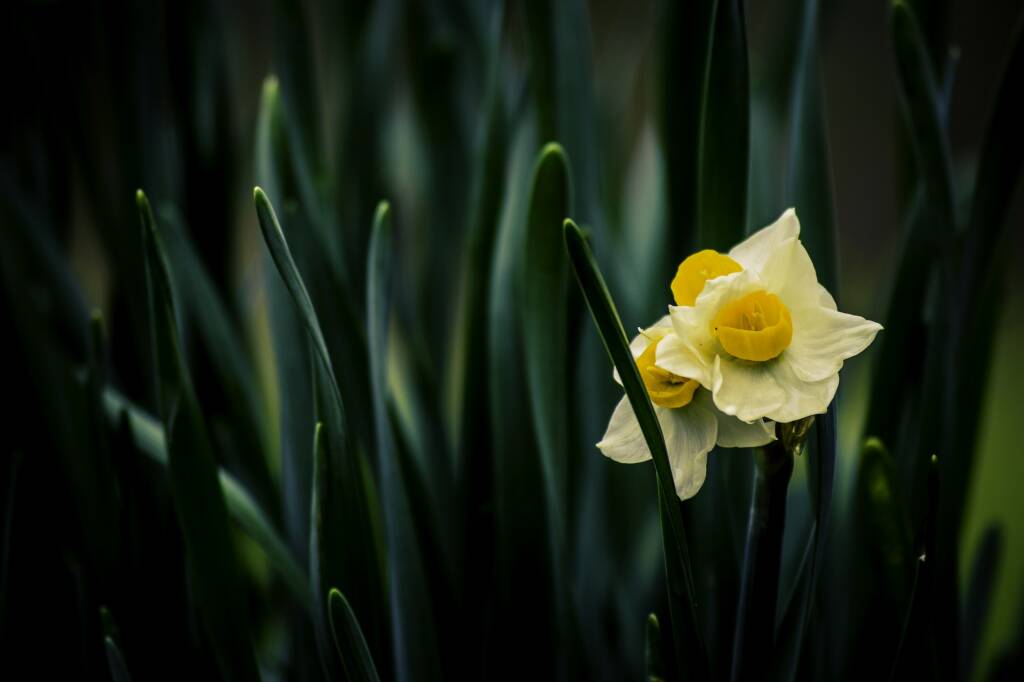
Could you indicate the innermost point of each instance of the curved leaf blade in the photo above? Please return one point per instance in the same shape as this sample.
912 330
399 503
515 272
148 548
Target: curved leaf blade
349 641
193 474
412 620
686 631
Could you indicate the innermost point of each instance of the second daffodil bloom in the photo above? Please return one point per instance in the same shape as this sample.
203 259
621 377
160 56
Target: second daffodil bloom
691 424
756 328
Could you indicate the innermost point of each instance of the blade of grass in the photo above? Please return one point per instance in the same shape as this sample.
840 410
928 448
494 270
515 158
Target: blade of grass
795 614
543 293
517 538
939 409
349 641
724 142
978 600
412 619
193 474
229 358
688 640
118 670
809 169
916 654
148 434
652 653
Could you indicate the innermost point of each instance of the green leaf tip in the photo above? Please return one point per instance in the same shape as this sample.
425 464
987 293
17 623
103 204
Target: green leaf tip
141 201
259 196
383 211
552 149
874 444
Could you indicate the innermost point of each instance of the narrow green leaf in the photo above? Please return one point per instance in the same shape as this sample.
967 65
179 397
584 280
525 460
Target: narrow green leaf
273 236
343 497
149 437
978 601
682 600
916 654
795 614
686 42
939 400
724 143
229 358
985 260
999 171
652 654
193 474
882 563
543 285
919 94
118 670
808 185
349 641
518 538
413 633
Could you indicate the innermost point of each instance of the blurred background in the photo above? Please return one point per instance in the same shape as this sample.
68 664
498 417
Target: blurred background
395 100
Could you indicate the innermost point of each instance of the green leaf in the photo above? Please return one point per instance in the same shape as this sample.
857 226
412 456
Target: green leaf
273 237
795 616
916 653
724 143
978 601
193 475
543 285
919 94
118 670
351 555
521 549
808 185
686 632
415 645
686 43
149 437
999 172
288 339
652 654
985 260
229 358
939 403
349 641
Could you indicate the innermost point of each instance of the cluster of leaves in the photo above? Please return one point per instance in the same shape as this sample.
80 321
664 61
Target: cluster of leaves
387 470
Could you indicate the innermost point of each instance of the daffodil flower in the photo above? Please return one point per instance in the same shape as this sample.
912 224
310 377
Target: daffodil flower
690 422
757 329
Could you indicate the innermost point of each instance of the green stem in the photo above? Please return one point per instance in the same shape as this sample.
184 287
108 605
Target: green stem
759 588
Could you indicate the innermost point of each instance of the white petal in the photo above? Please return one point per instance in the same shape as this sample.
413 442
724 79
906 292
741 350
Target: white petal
803 398
823 338
825 299
643 339
753 251
747 390
733 433
690 434
623 441
679 356
789 273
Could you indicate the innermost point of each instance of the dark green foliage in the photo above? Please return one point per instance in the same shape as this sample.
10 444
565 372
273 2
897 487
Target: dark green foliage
358 444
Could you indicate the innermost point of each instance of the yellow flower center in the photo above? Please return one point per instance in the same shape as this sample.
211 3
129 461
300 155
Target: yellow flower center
665 388
698 269
756 327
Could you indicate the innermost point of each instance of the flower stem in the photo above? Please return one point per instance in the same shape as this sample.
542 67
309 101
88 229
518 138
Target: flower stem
759 588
